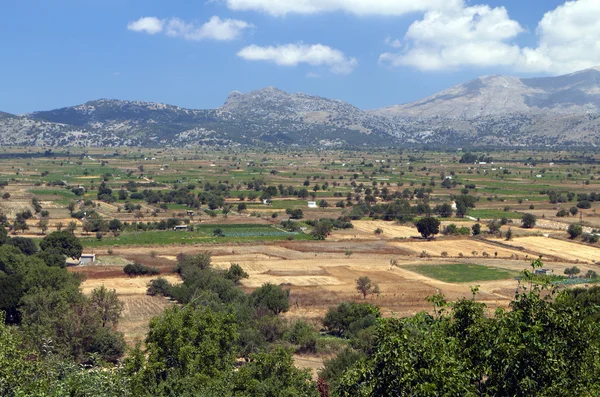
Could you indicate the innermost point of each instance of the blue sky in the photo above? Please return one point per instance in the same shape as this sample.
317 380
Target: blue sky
192 53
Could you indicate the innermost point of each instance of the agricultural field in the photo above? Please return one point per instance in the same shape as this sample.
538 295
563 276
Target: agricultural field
252 209
462 273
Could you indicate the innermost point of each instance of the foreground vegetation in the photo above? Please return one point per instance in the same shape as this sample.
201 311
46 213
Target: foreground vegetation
55 341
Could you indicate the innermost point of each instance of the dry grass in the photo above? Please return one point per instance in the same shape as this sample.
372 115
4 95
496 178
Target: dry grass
566 250
455 247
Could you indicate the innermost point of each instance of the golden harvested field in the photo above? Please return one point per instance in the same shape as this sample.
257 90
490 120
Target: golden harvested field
136 315
456 247
124 285
138 308
567 250
390 229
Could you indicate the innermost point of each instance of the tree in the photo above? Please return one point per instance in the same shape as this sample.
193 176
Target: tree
188 347
322 230
107 304
273 374
509 234
26 245
528 221
591 275
271 297
464 352
348 318
35 203
575 230
444 210
6 196
62 242
476 228
71 227
572 271
294 213
236 273
115 226
43 225
428 226
365 286
20 223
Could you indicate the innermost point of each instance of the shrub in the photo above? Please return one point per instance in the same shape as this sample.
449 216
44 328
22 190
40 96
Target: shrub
589 238
302 335
528 221
137 269
159 286
575 230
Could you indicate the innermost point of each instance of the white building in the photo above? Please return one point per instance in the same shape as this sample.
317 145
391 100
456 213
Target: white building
86 259
312 204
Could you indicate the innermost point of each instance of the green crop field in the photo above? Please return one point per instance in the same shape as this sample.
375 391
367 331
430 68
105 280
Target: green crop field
462 273
202 234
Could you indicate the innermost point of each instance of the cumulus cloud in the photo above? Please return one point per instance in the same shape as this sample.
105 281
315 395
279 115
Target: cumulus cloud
150 25
569 39
294 54
215 29
358 7
481 36
473 36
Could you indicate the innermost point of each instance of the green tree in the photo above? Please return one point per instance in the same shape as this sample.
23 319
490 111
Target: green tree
528 221
572 271
575 230
444 210
188 348
476 228
271 297
63 242
350 318
428 227
236 273
365 286
43 225
273 374
322 230
107 304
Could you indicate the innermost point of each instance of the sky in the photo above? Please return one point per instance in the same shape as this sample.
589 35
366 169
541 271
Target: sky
193 53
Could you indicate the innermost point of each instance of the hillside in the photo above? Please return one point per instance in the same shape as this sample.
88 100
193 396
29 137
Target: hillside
488 111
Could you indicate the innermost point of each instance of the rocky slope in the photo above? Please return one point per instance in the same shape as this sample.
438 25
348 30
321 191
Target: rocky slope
491 110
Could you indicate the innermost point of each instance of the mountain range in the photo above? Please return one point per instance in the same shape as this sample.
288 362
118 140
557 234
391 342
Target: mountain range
488 111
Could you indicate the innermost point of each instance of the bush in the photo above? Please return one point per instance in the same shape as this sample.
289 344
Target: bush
160 286
348 318
528 221
302 335
137 269
271 297
575 230
589 238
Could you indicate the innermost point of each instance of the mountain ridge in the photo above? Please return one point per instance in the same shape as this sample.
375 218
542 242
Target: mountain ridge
489 110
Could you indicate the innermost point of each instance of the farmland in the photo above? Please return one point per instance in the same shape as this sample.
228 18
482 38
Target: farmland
462 273
250 208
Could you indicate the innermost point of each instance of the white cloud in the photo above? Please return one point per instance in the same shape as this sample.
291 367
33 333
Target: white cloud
215 29
394 43
481 36
569 39
150 25
294 54
474 36
358 7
